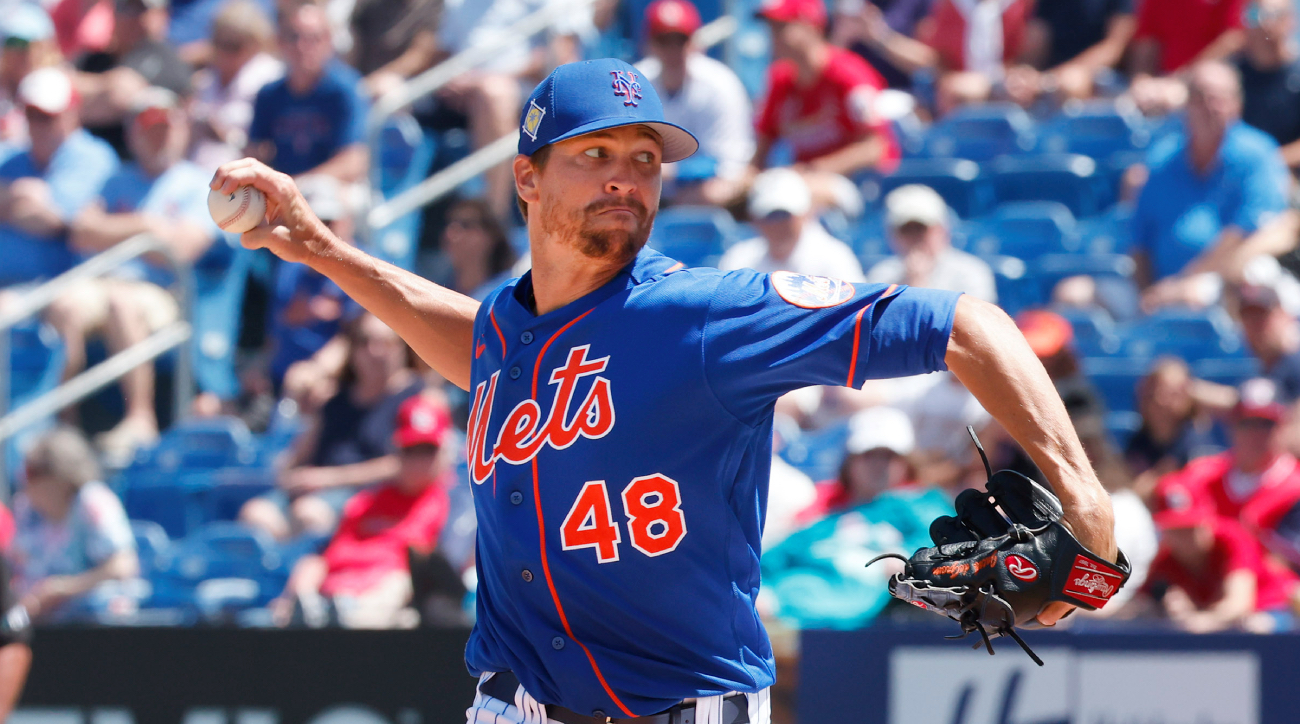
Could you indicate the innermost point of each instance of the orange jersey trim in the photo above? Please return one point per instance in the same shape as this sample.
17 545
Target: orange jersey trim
492 315
857 334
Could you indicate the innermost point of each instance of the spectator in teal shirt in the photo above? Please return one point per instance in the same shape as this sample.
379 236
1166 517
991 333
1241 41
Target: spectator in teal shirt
1211 186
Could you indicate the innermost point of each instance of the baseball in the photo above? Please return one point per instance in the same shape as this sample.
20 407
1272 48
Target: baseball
239 211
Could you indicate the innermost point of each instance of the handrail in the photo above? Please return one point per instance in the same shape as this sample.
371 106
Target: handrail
447 180
88 382
448 70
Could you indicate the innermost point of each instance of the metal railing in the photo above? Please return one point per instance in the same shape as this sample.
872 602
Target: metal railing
499 151
110 370
430 81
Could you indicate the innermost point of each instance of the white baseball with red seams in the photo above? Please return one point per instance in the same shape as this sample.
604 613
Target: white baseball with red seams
239 211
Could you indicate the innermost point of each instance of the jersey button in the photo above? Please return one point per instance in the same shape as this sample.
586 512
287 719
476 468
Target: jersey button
599 714
527 575
526 338
515 372
557 643
516 497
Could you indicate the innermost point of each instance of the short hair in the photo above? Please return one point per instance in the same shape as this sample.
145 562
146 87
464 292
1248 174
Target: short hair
538 159
63 454
244 19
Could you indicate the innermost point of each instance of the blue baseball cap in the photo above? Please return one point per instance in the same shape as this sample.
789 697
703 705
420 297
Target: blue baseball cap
592 95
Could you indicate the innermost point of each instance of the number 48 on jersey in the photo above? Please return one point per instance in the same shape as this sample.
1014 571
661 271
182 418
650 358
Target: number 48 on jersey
655 522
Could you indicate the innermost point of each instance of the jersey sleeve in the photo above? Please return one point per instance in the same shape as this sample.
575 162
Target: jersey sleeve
766 335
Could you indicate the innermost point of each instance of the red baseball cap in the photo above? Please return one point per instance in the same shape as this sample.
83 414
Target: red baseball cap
1257 398
812 12
1047 332
1189 517
672 16
422 420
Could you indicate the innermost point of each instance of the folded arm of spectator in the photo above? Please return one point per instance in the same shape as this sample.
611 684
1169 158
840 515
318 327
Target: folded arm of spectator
28 204
1237 603
106 97
417 58
15 659
51 591
312 478
907 54
94 230
350 164
850 159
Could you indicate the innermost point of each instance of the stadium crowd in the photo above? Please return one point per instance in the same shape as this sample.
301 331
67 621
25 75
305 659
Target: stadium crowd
1117 174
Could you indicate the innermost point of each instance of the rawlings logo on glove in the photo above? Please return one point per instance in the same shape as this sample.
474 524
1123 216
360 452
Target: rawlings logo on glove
1003 557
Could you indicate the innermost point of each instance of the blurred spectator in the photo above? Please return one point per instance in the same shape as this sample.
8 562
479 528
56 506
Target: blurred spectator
1070 45
820 99
313 119
160 194
490 98
1215 575
28 44
1253 469
817 577
349 444
393 41
1211 186
363 577
701 94
15 627
308 309
82 26
1174 429
1173 35
792 239
476 249
1270 75
1273 335
224 91
1050 336
110 80
918 219
73 535
968 44
875 460
863 26
43 187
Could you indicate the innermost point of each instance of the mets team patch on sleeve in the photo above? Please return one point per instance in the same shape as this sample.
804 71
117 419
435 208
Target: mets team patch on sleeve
811 292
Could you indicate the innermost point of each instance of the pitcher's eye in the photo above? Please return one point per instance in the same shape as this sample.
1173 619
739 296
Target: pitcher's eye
596 152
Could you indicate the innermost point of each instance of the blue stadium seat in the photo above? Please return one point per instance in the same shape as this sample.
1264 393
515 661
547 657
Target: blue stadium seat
1025 229
1016 289
1098 130
1071 179
957 180
164 497
1110 232
693 235
1226 370
1116 379
869 237
152 546
406 154
981 133
1122 425
1094 331
1190 334
220 551
232 487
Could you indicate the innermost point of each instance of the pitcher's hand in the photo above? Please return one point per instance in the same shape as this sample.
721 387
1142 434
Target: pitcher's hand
291 231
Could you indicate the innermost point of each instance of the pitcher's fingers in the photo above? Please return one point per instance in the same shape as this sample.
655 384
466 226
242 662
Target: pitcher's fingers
1053 612
262 237
222 173
249 172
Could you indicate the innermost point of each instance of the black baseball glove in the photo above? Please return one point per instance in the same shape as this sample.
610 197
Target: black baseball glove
1001 559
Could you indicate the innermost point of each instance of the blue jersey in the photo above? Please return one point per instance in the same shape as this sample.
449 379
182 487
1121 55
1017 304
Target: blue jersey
307 130
619 451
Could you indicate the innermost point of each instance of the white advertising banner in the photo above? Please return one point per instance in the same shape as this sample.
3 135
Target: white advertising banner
959 686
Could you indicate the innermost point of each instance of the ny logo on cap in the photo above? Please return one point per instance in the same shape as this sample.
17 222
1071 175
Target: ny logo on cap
626 85
533 120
